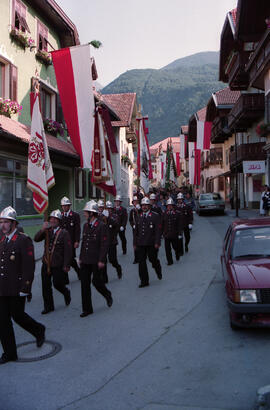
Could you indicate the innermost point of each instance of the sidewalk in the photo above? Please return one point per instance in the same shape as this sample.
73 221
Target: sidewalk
243 213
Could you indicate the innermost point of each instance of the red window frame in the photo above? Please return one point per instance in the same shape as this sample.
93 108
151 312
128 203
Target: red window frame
19 16
42 36
3 77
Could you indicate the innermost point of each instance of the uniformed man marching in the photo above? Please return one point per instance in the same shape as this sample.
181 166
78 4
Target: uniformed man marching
133 215
71 222
113 228
146 240
17 269
123 216
94 248
186 218
172 231
58 258
154 206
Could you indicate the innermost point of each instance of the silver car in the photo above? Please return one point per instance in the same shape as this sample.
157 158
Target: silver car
210 202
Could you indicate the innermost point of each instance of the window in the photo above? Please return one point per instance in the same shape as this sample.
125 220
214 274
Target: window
79 183
8 80
42 37
2 80
267 108
19 16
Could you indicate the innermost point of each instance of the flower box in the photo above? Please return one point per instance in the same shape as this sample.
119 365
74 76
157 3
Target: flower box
44 57
54 127
263 129
21 38
8 107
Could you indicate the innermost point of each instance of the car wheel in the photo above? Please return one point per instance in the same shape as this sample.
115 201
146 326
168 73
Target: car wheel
234 326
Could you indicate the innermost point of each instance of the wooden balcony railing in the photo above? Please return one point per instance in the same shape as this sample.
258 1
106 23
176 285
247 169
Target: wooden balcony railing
238 77
217 133
259 62
246 111
248 152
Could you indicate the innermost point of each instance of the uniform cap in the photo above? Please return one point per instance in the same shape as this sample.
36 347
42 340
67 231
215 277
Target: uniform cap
118 198
109 204
170 201
91 206
56 214
100 203
9 213
152 196
145 201
65 201
180 196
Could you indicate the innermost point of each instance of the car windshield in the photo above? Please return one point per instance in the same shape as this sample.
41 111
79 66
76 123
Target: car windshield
251 243
210 197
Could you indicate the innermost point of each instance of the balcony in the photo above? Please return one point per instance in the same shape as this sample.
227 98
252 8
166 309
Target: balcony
248 152
131 136
248 109
217 133
259 62
237 75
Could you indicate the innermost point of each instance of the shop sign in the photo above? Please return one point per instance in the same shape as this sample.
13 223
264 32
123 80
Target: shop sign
254 167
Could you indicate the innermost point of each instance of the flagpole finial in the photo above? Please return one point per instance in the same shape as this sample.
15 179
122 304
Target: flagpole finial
36 82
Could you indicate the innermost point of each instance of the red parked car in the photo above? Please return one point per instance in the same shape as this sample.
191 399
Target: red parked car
245 264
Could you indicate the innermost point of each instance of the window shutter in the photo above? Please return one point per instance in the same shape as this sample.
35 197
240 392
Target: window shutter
13 80
80 183
59 111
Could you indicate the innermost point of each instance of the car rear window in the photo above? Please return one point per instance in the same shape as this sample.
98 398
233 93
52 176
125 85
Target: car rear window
211 197
251 242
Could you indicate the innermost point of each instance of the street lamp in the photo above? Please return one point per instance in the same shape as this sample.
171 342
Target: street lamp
227 131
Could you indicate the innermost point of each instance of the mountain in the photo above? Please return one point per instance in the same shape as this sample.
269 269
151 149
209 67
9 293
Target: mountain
173 93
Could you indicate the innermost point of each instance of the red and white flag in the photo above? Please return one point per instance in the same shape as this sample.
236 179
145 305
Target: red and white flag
73 70
144 166
40 176
203 134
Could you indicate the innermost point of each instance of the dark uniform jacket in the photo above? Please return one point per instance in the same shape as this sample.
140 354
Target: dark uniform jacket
133 215
17 265
157 209
113 229
186 214
61 252
147 230
122 214
95 243
72 224
171 224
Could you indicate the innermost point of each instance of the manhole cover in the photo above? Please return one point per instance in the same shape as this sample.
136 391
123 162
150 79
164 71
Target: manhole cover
28 351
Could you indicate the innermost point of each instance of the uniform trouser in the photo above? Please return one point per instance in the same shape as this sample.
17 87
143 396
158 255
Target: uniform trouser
187 235
112 256
74 265
122 236
169 243
12 307
152 253
58 278
86 274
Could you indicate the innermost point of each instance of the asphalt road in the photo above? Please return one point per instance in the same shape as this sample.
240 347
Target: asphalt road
165 347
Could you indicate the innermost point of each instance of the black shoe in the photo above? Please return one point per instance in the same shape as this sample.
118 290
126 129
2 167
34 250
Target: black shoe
177 256
67 297
124 252
143 285
186 248
170 263
40 339
135 262
45 311
109 300
119 272
84 314
5 358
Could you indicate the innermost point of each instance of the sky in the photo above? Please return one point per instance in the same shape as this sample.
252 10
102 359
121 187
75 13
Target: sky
146 33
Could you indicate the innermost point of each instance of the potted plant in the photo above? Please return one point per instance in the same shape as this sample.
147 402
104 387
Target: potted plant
54 127
263 129
44 57
8 107
126 160
21 38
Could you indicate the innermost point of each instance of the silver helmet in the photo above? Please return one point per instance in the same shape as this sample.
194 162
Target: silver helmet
100 203
65 201
152 196
145 201
91 206
180 196
109 204
9 213
56 214
118 198
169 201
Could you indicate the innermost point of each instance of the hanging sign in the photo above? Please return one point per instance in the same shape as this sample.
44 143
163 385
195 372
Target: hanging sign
254 167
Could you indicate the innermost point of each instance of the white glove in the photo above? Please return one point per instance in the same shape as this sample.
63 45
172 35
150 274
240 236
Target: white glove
122 228
105 213
190 227
23 294
134 226
179 236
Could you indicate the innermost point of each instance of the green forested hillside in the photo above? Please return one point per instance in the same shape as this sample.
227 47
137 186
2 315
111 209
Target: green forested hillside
172 94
